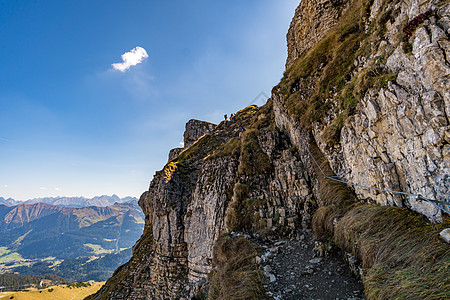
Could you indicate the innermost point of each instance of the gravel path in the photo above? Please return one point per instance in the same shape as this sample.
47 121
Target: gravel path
293 272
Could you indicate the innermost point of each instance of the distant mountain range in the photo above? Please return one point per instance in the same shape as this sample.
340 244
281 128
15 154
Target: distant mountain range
9 201
102 201
48 235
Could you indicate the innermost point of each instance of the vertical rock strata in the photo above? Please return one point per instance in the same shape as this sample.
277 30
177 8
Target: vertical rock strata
371 100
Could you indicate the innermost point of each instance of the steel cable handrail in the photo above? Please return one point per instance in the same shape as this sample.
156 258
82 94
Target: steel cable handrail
418 196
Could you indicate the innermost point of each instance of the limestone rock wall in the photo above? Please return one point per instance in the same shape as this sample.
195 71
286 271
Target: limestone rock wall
398 137
285 192
205 219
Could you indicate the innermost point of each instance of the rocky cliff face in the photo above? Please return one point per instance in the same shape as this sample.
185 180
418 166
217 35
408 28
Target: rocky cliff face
204 192
311 22
365 93
396 136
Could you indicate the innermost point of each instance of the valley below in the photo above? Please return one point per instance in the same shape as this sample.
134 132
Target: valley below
76 243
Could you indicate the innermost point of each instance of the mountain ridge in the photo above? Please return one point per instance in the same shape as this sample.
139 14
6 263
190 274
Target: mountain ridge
103 200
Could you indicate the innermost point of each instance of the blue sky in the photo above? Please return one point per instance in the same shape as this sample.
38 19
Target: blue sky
72 125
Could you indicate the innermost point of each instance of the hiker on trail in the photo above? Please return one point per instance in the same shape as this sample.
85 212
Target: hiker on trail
231 117
225 116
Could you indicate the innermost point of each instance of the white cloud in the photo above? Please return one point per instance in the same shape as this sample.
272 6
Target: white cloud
57 189
43 188
132 58
5 186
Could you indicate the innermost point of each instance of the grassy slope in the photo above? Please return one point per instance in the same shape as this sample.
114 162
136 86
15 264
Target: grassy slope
402 254
324 77
61 292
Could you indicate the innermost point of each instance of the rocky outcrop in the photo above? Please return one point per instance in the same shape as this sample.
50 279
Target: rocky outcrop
398 136
311 22
196 129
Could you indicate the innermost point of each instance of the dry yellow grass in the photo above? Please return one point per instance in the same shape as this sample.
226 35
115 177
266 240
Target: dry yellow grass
60 292
236 275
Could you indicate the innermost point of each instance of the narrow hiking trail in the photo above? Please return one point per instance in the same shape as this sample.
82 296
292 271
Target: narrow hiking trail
294 272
